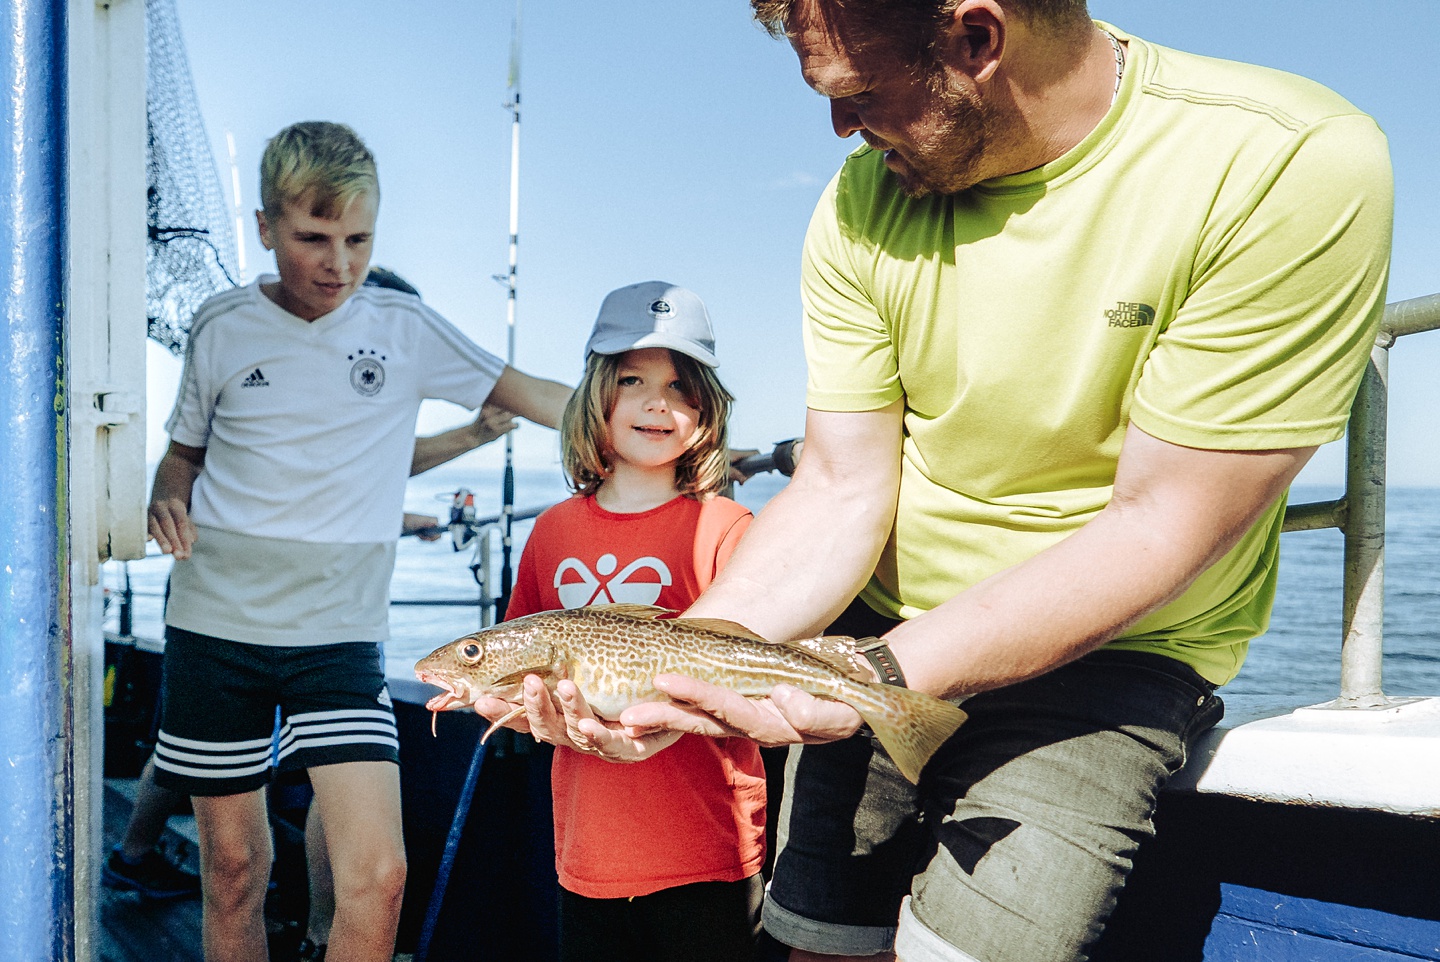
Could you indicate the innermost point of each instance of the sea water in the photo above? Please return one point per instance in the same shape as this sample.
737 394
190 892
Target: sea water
1298 657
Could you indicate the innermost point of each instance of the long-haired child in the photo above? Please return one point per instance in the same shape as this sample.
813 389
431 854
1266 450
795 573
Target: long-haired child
659 859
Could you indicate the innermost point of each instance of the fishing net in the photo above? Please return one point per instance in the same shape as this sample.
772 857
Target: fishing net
191 252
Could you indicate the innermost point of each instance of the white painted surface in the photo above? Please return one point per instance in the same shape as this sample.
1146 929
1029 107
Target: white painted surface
104 377
1374 759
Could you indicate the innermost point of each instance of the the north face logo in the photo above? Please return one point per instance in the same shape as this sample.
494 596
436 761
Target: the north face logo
256 379
1130 314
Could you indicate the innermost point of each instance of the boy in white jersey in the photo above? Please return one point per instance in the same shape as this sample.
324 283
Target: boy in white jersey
291 440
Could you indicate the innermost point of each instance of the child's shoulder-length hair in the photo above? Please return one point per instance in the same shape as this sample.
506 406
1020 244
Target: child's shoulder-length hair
701 471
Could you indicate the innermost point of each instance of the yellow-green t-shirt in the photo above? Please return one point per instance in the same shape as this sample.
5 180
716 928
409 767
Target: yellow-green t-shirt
1210 262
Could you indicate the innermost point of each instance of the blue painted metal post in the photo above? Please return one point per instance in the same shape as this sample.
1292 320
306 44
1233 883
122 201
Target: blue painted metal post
37 837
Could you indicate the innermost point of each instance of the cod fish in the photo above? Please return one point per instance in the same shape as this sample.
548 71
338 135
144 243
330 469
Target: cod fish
613 652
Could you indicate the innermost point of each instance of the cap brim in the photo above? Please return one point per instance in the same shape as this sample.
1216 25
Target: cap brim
618 345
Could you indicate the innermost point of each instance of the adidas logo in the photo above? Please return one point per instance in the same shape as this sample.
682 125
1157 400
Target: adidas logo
384 698
1130 314
256 379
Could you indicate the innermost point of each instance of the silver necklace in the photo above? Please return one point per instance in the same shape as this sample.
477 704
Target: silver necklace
1119 64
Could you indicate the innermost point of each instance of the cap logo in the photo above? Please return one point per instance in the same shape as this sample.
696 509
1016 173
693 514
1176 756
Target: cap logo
661 308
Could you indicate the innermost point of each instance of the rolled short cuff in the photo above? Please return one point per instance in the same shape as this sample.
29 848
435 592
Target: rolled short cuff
826 938
915 942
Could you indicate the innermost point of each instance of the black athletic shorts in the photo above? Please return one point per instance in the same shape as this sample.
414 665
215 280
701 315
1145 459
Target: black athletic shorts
218 732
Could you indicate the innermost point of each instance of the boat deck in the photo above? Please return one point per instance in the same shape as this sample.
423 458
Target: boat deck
134 929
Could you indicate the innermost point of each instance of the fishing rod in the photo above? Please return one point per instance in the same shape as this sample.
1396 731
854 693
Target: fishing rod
507 511
507 500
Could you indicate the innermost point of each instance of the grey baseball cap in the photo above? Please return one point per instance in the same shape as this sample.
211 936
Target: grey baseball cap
654 314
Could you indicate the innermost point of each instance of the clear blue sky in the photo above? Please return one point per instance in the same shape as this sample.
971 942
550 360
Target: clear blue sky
673 139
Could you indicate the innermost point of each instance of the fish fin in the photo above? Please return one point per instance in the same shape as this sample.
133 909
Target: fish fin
837 651
916 727
517 678
512 713
723 627
632 611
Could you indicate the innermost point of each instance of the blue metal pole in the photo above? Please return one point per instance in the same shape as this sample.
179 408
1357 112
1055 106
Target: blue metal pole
37 837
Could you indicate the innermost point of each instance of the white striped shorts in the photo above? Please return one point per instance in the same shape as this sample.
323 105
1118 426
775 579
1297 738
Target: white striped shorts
218 732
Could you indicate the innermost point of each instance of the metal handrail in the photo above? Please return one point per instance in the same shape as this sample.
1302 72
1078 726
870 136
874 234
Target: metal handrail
1360 513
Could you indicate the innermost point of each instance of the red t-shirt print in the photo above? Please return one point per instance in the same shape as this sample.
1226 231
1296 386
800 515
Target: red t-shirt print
638 583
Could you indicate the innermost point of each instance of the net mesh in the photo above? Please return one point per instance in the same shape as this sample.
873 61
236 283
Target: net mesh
191 252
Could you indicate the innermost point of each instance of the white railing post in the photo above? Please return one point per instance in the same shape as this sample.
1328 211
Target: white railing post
1364 527
1360 514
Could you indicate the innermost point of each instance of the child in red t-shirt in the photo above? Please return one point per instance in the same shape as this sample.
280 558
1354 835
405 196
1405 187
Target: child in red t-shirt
659 859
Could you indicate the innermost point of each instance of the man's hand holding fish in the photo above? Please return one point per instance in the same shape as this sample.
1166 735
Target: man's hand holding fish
786 717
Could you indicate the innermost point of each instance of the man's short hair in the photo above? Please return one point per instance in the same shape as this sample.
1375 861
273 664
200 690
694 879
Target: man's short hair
324 163
909 25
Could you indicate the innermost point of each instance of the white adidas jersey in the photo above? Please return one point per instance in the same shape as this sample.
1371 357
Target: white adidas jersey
309 427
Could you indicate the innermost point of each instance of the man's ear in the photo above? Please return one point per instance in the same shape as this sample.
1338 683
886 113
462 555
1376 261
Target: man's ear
264 226
972 41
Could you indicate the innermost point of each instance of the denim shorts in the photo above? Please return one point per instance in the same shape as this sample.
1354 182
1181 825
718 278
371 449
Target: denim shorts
1014 845
218 724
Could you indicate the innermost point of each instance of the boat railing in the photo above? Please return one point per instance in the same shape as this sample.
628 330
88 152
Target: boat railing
465 529
1360 513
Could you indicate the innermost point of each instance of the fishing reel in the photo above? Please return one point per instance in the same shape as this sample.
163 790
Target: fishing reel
462 518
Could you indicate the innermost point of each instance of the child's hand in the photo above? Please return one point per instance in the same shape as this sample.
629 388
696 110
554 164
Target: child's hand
171 528
491 422
426 527
493 709
566 719
737 455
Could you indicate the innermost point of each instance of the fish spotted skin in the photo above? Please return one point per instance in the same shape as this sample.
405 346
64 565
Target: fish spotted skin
613 652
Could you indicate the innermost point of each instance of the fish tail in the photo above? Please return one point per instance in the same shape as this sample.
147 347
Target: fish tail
912 726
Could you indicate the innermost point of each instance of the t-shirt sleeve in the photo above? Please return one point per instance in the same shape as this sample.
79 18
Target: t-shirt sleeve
1270 343
525 593
189 421
457 369
529 595
851 359
721 524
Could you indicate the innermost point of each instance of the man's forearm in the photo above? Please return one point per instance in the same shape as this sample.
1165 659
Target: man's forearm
776 583
817 542
1046 611
1164 528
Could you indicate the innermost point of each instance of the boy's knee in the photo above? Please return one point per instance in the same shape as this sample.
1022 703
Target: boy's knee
377 881
390 875
236 873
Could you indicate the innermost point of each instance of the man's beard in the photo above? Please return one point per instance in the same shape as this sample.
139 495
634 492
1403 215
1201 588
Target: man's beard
949 160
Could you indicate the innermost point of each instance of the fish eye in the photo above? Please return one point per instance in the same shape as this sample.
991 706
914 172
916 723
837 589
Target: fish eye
470 652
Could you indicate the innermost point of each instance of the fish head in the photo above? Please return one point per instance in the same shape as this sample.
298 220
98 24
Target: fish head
491 662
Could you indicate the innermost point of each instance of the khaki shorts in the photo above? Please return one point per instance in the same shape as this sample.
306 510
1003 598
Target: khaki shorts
1015 844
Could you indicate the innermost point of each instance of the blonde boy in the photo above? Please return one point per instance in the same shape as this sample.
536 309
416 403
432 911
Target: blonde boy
291 440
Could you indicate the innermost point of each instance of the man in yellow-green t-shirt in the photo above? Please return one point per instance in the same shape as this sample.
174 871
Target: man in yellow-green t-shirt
1075 317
